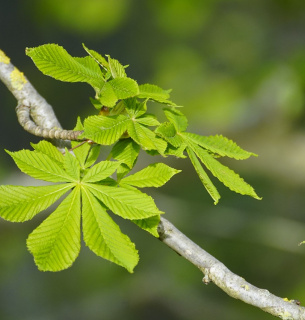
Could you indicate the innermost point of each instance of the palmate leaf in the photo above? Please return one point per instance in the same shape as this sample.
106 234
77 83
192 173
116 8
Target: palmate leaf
55 244
55 61
206 181
104 237
105 130
145 137
18 204
227 176
219 145
155 175
39 166
129 204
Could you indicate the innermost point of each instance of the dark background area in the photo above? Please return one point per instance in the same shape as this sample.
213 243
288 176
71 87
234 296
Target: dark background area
238 68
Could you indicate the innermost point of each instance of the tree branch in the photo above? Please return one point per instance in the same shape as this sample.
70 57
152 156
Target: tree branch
24 118
32 105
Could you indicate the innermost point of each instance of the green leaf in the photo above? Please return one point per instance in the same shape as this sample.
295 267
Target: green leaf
145 137
177 118
18 204
96 103
39 166
177 152
122 170
72 166
97 57
86 153
148 120
50 150
105 130
149 224
55 61
100 171
93 155
124 87
107 96
126 151
80 149
227 176
155 175
116 69
129 204
117 109
219 145
134 108
55 244
104 237
153 92
211 189
168 132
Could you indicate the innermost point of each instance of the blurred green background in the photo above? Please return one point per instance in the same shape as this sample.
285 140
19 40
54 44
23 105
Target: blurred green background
238 68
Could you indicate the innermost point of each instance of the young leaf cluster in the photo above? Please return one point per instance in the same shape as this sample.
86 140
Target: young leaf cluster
123 123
